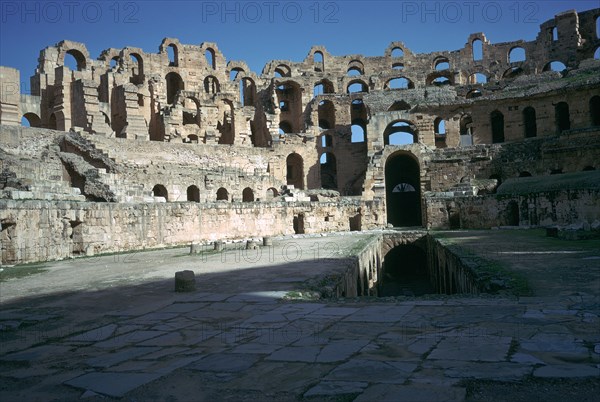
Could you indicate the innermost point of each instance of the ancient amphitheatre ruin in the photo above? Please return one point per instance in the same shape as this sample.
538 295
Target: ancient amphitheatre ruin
394 158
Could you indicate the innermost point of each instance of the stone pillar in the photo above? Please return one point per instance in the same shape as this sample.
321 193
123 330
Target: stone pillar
185 281
10 95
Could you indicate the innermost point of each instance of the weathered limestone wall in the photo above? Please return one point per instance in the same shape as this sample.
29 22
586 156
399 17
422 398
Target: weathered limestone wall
449 271
562 207
38 230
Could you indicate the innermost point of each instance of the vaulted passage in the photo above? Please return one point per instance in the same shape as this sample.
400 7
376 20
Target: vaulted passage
405 273
403 190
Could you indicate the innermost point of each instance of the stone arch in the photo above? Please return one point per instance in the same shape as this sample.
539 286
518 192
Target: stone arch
174 85
403 189
211 57
247 195
295 170
160 191
212 85
326 115
31 120
399 83
222 194
193 194
357 85
328 170
247 91
78 56
401 126
516 54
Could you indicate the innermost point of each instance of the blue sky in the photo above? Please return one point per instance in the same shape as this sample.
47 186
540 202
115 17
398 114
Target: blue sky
259 31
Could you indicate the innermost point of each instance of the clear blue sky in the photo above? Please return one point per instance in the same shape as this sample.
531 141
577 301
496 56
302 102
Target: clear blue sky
259 31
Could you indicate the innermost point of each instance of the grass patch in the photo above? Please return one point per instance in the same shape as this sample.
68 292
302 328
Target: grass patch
21 271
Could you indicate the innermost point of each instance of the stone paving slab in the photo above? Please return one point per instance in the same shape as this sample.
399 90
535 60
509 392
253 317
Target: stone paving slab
411 393
112 384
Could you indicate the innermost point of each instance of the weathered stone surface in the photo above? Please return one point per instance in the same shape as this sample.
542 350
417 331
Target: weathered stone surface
185 281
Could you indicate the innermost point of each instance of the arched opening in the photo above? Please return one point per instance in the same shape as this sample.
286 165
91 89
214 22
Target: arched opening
289 95
31 120
397 66
557 66
328 171
226 126
561 114
397 52
74 60
247 195
222 194
193 194
399 83
477 78
357 86
516 54
529 122
137 64
235 73
439 81
282 70
403 190
439 129
399 133
173 55
441 63
174 85
597 53
354 72
512 214
319 61
405 273
114 62
358 131
285 128
553 34
477 47
326 141
191 112
326 113
595 110
295 171
272 193
211 60
474 93
247 92
211 85
160 191
497 122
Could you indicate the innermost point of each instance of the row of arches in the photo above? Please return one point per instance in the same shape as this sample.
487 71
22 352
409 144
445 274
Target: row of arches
222 194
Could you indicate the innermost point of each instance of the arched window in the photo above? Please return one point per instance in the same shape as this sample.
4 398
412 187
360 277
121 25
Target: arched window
441 63
477 46
174 85
399 83
193 194
358 132
397 52
295 170
497 122
516 54
74 60
399 133
319 61
357 86
209 54
439 126
222 194
211 85
160 191
31 120
557 66
173 54
529 122
285 127
328 171
247 195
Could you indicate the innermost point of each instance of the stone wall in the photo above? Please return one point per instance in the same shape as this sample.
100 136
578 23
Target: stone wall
44 230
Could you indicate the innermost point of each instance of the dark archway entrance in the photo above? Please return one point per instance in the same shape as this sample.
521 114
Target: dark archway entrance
403 190
405 272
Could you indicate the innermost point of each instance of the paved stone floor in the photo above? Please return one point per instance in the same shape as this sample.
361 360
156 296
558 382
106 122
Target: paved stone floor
112 327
